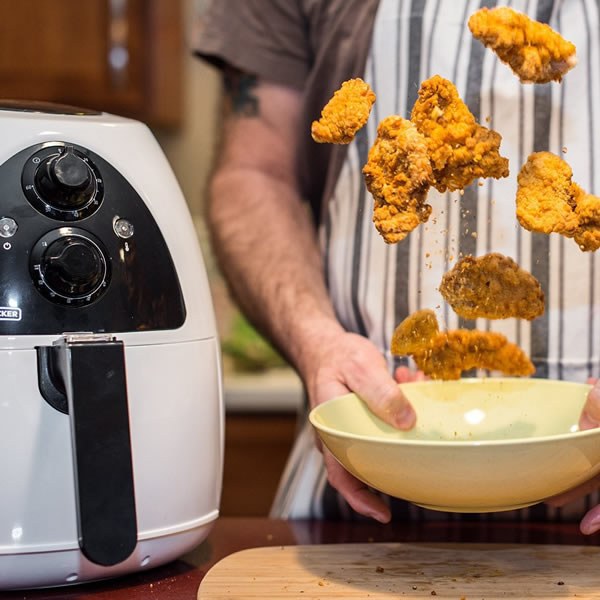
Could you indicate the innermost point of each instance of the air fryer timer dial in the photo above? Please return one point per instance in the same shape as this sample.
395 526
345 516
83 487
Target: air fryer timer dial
69 266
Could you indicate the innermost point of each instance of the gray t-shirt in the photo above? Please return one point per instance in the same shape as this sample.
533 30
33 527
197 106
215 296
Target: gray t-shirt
309 45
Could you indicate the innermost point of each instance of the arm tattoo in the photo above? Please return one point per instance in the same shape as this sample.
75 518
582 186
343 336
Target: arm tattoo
240 89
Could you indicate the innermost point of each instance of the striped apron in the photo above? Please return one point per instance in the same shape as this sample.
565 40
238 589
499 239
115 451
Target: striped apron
374 285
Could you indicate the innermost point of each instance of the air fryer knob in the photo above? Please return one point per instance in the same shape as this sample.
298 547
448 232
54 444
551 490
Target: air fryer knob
72 266
65 181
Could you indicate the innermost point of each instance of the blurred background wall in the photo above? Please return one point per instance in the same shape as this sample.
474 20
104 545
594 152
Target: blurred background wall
190 147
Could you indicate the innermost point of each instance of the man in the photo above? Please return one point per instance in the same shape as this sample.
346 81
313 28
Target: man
330 296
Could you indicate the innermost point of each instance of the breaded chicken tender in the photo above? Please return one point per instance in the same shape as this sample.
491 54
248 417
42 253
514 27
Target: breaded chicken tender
446 354
398 175
456 351
460 150
492 286
534 51
346 112
548 201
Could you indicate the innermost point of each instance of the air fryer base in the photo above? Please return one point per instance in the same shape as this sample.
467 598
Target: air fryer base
68 567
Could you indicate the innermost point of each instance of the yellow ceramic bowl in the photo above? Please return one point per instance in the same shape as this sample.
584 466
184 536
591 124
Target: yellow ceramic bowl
480 445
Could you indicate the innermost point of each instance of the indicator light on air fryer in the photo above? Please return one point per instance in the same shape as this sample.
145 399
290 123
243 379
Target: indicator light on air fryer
123 228
8 227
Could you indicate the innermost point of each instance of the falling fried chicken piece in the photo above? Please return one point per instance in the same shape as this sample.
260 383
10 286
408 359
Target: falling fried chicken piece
460 150
548 201
492 286
446 354
587 208
546 195
346 112
398 175
534 51
415 333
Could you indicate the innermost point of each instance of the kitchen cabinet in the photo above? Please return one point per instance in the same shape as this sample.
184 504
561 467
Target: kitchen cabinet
120 56
260 426
257 446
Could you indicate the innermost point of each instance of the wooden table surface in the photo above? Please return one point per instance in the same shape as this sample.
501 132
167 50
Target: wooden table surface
180 579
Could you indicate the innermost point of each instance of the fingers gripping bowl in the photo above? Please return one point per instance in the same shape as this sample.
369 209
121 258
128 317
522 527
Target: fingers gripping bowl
479 445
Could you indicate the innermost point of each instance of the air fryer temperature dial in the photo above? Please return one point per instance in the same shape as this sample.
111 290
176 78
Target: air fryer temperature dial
62 183
69 266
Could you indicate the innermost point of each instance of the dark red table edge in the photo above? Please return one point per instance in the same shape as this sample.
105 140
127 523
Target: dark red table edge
180 579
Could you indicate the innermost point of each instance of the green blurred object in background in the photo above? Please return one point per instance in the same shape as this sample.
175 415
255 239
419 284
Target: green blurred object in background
249 351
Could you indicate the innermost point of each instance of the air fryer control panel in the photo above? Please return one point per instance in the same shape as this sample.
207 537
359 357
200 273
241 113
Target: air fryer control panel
79 249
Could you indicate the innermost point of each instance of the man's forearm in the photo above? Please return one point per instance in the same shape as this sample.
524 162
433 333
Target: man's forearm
266 246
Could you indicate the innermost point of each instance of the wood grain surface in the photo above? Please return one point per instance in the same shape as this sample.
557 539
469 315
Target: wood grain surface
399 570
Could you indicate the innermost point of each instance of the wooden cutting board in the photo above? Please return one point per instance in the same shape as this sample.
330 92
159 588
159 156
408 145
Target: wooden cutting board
457 571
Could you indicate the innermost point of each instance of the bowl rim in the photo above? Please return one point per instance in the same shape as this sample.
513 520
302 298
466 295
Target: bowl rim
453 443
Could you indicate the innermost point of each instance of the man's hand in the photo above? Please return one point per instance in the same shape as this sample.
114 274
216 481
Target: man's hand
590 415
589 419
406 375
343 363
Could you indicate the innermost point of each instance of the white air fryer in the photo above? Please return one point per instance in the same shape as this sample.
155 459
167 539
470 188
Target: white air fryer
111 413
